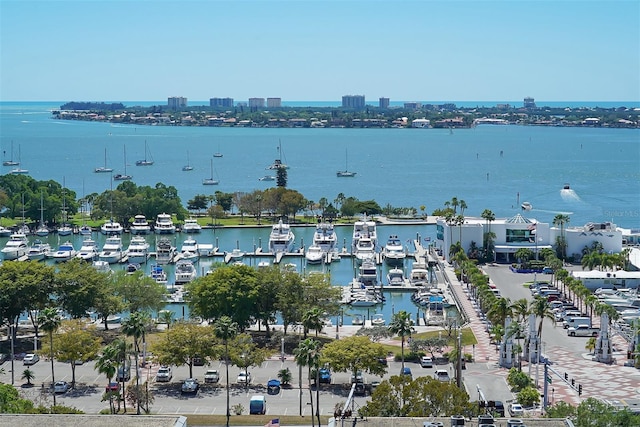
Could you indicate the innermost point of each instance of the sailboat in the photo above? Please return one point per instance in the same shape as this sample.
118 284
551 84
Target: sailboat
277 164
10 162
148 161
345 173
42 229
85 230
188 166
104 168
217 153
18 170
124 176
64 229
210 181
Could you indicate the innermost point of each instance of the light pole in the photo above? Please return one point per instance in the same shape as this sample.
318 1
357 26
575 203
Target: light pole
282 349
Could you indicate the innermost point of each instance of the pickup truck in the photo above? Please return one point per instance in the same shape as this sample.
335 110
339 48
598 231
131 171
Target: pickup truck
582 331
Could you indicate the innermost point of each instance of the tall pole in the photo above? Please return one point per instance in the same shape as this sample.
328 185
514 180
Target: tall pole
459 366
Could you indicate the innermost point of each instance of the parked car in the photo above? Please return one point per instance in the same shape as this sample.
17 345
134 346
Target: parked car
406 371
244 377
426 362
30 359
123 373
190 385
516 410
357 378
325 376
164 374
442 375
211 376
113 386
61 387
3 358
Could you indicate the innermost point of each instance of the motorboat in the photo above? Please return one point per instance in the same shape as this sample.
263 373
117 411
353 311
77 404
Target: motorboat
112 251
140 225
365 250
364 229
314 254
103 169
419 274
393 252
267 178
158 274
365 298
111 228
368 274
102 266
132 267
526 206
148 159
396 278
191 226
566 186
89 250
85 230
378 320
165 251
4 232
16 247
189 249
138 250
65 252
236 255
185 272
164 224
65 230
38 251
325 237
281 238
357 320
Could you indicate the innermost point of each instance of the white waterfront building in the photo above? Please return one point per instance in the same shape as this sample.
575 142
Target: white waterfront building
519 231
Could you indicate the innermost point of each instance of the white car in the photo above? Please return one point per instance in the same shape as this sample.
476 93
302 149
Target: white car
30 359
442 375
244 377
516 410
211 376
426 362
61 387
164 374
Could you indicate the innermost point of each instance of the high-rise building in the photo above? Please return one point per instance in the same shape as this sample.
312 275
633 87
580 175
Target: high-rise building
529 102
353 101
176 102
221 102
256 102
274 102
412 105
383 103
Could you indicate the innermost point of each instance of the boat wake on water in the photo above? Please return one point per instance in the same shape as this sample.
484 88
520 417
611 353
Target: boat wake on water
552 212
569 195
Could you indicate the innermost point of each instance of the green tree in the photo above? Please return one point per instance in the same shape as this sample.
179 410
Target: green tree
28 375
49 321
308 354
184 342
246 353
312 319
285 376
428 397
561 220
518 380
107 364
353 354
134 327
12 403
198 203
541 309
528 396
139 292
226 329
402 325
78 287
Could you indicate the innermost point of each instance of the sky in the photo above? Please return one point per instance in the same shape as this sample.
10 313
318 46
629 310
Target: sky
139 50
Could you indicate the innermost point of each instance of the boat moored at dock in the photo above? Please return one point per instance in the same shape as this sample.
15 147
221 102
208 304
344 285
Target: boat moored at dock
138 250
281 238
140 225
16 247
112 250
164 224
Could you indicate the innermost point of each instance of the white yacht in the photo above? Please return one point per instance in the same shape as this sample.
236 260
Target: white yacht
42 230
164 224
112 251
185 272
365 250
140 225
419 275
102 266
89 250
281 238
191 226
189 249
39 251
314 254
4 232
165 251
364 230
16 247
65 252
138 250
111 228
393 252
65 230
397 279
325 237
236 255
368 274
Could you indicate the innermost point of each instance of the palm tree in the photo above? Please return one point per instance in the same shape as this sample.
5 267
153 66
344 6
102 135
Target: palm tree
225 329
108 364
561 220
134 327
499 310
49 321
312 319
402 325
28 375
541 309
308 354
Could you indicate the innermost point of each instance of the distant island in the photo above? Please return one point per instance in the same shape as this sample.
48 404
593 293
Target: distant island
426 116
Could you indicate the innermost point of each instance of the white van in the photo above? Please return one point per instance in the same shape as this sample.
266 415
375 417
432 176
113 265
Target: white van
575 321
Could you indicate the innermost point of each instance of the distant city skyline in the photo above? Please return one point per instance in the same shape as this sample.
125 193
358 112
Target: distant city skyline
320 50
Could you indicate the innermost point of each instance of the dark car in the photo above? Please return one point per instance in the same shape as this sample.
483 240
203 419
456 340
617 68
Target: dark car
325 376
112 387
190 385
406 371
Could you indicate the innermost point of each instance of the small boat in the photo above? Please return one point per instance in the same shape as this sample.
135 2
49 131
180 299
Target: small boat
165 251
526 206
112 251
277 163
191 226
140 225
16 247
88 251
111 228
187 167
217 153
138 250
147 161
102 266
158 274
566 187
10 162
267 178
365 250
419 275
123 176
65 252
314 254
65 229
4 232
164 224
236 255
395 278
85 230
346 173
210 181
325 237
185 272
377 320
357 320
38 251
393 252
189 249
103 169
132 267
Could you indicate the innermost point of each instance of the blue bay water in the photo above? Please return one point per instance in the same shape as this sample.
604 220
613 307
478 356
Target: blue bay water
490 167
